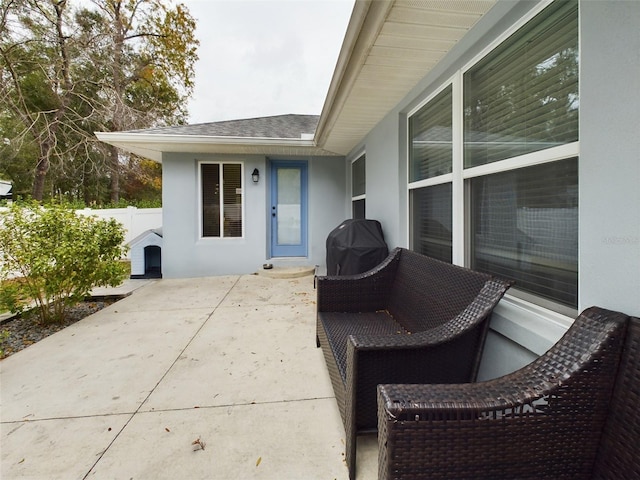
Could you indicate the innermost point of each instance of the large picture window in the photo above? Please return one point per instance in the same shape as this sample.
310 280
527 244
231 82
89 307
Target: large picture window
523 96
430 134
431 157
525 227
496 150
221 185
431 221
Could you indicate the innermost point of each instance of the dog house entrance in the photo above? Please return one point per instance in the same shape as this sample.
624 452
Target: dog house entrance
153 261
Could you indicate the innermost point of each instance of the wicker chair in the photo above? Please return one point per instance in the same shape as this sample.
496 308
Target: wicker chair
412 319
545 420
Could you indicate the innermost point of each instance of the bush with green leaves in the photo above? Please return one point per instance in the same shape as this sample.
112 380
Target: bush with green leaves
52 258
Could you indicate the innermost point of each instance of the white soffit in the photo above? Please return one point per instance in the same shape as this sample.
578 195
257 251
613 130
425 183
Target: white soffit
389 47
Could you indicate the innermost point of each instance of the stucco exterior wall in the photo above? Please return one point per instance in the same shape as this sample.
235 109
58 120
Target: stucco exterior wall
609 263
609 165
328 205
185 254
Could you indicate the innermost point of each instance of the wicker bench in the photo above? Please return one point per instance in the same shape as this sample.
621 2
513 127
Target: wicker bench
412 319
572 413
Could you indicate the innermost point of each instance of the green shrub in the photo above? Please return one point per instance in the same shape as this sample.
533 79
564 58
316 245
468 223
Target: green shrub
52 258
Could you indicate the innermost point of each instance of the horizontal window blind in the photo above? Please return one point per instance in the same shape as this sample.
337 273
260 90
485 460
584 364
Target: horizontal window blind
431 221
430 136
210 175
523 96
232 205
358 177
525 227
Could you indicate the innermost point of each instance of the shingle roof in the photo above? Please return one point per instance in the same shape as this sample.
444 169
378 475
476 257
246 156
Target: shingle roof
279 126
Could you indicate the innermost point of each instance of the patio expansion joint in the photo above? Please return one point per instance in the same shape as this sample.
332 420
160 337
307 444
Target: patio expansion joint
65 417
242 404
163 376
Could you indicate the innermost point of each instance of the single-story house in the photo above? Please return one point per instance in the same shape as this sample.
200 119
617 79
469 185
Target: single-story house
497 134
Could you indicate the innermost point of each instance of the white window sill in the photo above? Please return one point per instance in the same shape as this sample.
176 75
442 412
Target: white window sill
535 328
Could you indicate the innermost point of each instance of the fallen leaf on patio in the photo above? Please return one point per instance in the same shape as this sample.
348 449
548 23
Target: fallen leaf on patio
21 461
198 444
259 460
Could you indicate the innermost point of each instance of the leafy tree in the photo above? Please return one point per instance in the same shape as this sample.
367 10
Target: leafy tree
144 66
70 68
53 258
142 179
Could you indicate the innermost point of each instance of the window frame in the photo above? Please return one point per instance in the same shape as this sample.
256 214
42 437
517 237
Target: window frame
460 176
221 164
440 179
361 197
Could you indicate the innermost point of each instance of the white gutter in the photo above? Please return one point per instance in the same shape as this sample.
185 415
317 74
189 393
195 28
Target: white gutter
152 146
124 137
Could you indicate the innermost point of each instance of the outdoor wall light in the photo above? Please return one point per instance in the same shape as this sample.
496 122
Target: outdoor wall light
255 175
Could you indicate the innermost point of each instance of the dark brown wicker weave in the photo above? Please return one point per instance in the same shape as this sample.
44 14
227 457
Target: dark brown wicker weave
412 319
542 421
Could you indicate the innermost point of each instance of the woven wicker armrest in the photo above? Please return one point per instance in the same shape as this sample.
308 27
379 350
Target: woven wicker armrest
555 408
470 401
412 359
366 291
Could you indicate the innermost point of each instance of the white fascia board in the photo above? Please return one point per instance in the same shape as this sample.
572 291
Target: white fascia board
153 145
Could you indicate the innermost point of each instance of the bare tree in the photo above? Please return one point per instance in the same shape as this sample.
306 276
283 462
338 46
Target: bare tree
68 71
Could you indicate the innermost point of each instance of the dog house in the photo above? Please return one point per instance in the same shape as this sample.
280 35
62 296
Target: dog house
146 254
5 190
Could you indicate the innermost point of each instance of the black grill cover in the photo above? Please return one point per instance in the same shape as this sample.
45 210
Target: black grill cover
355 246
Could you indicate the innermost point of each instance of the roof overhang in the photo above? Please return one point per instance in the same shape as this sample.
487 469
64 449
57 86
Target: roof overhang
388 48
152 145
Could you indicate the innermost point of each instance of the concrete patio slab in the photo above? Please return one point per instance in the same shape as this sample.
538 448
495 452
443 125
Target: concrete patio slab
126 391
283 440
244 355
180 294
105 364
256 290
58 448
128 286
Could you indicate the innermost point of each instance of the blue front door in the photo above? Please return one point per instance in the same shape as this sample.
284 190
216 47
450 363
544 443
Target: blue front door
288 209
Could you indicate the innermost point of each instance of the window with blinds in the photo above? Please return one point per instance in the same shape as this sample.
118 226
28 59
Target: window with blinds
525 227
520 217
430 136
358 177
221 199
431 219
358 187
523 96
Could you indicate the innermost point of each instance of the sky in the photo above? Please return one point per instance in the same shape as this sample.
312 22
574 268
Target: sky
264 57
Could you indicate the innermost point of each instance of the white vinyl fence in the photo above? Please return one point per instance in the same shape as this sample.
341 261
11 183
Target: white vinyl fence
134 220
